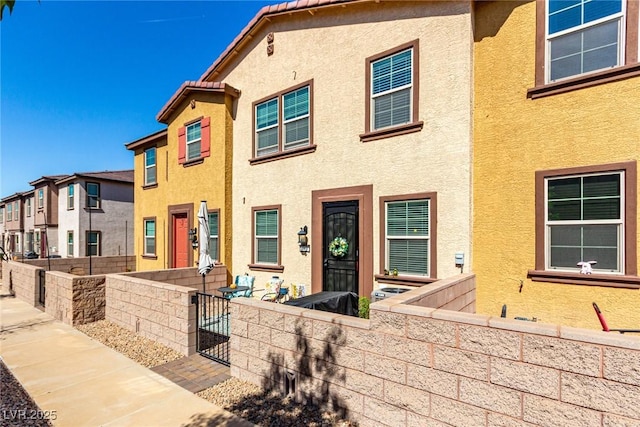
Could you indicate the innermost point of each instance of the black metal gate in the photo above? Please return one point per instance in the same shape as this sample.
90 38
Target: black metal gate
340 220
213 327
41 287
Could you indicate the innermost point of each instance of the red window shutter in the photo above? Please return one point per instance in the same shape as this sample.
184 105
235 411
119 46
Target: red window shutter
205 137
182 145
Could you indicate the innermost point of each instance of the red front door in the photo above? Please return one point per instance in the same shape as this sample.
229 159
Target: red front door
180 240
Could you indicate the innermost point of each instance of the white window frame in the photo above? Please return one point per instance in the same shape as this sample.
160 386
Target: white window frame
1 215
214 238
548 224
28 207
70 243
275 237
16 210
90 196
9 211
280 125
149 238
620 16
40 198
373 97
192 142
388 238
70 196
148 167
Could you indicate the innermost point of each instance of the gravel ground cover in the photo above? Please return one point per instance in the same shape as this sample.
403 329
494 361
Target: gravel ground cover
17 408
244 399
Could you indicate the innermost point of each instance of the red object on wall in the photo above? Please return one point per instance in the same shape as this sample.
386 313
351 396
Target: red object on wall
205 137
182 145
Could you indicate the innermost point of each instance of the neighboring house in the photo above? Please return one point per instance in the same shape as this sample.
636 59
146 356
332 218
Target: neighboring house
3 209
45 211
556 148
350 121
13 224
29 215
179 167
95 213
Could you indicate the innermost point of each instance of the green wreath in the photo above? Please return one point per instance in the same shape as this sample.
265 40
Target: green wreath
339 247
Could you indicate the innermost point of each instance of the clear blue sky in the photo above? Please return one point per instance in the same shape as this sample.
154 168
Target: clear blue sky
79 79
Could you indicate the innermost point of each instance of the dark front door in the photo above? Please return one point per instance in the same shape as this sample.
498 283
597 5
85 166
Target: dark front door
339 226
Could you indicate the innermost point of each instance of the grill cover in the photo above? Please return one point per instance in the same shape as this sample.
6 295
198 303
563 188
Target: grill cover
332 301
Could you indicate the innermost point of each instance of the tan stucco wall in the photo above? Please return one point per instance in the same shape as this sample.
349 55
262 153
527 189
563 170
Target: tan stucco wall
178 185
330 47
514 137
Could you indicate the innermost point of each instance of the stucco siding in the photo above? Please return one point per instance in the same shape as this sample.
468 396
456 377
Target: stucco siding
514 138
181 184
330 48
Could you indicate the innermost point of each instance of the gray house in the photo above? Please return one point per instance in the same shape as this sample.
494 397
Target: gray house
95 214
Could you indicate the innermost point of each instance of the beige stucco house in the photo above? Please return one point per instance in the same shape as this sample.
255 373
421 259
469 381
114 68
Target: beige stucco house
352 123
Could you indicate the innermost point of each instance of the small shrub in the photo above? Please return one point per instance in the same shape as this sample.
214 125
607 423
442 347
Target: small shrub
363 307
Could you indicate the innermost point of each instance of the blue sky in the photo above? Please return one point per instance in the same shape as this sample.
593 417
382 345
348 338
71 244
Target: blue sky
79 79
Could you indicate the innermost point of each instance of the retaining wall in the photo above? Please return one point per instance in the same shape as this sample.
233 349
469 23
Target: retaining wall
411 365
75 300
160 311
186 277
99 265
22 280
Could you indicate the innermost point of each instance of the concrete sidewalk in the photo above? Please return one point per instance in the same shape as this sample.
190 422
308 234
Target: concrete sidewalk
89 384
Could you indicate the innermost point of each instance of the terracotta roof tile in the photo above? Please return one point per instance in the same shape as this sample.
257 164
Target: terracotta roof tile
192 86
268 10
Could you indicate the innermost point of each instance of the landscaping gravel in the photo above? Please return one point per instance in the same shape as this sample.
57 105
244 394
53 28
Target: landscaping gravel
242 398
146 352
17 408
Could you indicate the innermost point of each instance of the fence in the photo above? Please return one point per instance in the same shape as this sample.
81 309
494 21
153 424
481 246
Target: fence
213 327
412 365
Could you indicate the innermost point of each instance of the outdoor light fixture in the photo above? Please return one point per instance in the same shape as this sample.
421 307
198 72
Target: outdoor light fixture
303 240
193 235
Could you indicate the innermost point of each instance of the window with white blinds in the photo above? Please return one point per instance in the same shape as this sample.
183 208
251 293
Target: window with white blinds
283 122
584 221
213 234
266 237
391 90
407 235
194 140
149 237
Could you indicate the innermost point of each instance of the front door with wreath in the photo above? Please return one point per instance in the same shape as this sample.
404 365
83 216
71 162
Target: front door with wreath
340 246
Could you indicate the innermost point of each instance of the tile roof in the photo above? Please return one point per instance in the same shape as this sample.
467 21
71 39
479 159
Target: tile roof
46 178
153 137
202 84
118 176
265 12
186 89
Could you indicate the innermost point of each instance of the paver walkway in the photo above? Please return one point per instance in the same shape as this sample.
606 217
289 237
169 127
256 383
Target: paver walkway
89 384
194 373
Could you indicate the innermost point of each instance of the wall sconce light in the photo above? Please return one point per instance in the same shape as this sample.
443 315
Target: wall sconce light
303 240
193 235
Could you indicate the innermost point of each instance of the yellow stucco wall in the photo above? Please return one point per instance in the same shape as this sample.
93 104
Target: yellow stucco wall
515 136
178 185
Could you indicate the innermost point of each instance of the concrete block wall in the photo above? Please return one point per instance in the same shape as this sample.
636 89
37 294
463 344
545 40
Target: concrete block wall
160 311
23 280
75 300
99 265
215 279
457 293
411 365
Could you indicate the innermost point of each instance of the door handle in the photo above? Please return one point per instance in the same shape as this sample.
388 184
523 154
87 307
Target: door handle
326 262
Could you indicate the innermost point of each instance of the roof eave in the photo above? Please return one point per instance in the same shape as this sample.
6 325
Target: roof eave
191 87
147 140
